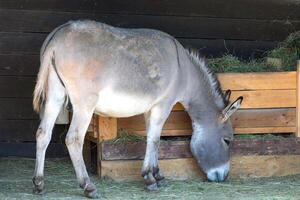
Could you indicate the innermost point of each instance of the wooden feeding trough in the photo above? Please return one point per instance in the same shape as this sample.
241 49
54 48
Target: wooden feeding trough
270 106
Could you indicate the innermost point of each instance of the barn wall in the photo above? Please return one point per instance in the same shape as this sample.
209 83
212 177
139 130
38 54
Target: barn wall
243 27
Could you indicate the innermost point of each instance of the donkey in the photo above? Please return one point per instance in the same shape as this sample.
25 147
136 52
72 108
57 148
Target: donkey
120 72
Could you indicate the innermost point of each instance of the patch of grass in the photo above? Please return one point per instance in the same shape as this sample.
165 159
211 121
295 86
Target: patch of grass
60 183
230 63
288 52
125 137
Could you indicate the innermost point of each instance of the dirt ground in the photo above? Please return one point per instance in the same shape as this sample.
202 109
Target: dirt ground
16 174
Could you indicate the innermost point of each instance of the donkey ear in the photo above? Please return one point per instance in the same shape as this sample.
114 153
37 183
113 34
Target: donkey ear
230 109
227 96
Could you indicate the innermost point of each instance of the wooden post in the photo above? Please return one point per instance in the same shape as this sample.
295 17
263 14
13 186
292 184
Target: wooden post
298 101
107 127
107 130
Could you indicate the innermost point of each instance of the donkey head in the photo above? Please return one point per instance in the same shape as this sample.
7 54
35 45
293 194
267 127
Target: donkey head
211 140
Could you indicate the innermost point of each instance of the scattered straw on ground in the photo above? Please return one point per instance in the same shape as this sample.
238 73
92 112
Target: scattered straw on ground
15 183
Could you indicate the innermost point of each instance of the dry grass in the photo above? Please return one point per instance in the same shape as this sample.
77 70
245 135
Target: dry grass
288 51
15 183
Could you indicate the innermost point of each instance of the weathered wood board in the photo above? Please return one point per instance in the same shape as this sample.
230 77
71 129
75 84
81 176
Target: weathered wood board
186 168
244 121
172 149
250 158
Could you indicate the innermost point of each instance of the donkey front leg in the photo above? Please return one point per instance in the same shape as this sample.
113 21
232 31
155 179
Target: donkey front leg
155 120
74 141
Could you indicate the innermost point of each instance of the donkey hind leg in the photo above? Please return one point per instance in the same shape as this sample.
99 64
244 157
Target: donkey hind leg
155 120
54 103
74 141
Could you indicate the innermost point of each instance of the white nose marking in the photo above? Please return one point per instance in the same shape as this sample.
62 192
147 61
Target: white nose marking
218 173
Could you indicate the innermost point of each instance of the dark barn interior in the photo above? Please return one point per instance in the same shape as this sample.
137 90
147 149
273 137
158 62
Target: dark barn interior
245 28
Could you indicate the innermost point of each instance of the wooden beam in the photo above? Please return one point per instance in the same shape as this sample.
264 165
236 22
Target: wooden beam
107 128
256 99
186 168
266 98
298 101
181 149
246 9
244 121
262 130
12 20
258 81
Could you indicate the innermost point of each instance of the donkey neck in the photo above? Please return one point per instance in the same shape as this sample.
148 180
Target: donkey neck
202 107
205 97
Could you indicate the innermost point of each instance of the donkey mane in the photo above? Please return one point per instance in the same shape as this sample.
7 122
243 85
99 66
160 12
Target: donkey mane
208 76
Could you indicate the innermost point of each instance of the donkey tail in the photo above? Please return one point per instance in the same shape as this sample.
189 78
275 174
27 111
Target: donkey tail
40 90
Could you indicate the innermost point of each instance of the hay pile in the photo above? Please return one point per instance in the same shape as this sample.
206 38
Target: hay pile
16 174
287 54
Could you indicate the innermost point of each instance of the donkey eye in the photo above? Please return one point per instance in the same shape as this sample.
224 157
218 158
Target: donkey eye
227 141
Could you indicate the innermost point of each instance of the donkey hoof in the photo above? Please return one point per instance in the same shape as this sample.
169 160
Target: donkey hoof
151 188
91 191
38 185
38 191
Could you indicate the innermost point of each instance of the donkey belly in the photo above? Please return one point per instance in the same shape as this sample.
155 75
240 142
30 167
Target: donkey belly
116 104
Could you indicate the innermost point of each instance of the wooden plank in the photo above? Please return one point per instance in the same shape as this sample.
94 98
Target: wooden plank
244 121
169 149
254 118
263 99
258 81
54 150
259 130
16 86
186 168
178 26
24 131
266 98
245 130
19 65
16 108
298 101
230 9
107 128
21 43
30 44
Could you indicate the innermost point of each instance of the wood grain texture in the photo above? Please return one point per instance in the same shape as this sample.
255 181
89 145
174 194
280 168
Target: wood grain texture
244 121
258 81
25 130
19 65
298 101
245 9
178 26
186 168
16 86
107 128
181 149
54 150
17 108
266 98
